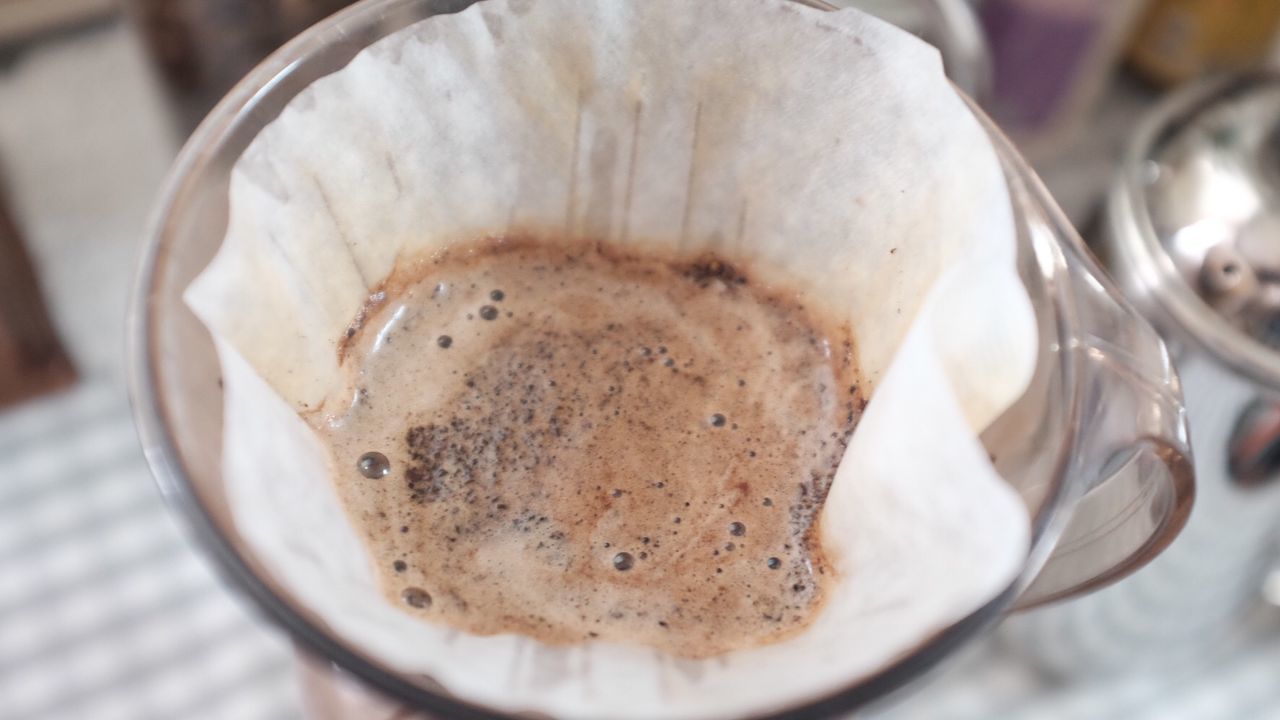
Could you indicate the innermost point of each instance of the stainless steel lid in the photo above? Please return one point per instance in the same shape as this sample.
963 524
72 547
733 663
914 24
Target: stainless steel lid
1195 220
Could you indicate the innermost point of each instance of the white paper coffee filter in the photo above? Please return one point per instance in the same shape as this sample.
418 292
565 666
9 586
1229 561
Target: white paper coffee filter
825 150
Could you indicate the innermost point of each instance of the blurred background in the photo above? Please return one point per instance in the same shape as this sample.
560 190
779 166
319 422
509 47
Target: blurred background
107 609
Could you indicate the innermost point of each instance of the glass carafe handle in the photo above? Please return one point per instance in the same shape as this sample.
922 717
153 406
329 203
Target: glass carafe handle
1131 463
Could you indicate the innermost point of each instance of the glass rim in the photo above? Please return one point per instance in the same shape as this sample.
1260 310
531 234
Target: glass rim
169 466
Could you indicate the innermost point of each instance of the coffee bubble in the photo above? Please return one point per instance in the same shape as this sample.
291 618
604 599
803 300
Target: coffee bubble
374 465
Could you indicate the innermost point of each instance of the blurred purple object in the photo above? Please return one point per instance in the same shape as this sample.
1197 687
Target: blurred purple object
1037 53
1050 60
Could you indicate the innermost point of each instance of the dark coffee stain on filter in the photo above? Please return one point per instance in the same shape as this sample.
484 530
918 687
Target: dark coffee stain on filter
649 438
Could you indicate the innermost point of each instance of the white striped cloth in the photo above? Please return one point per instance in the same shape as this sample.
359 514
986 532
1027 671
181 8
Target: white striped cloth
105 610
1238 679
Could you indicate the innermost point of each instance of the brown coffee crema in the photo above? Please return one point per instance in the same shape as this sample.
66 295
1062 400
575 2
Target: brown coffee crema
576 442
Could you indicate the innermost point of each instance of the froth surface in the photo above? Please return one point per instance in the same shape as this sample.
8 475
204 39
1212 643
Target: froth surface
577 444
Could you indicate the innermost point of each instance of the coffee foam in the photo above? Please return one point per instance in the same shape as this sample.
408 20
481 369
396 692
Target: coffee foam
585 444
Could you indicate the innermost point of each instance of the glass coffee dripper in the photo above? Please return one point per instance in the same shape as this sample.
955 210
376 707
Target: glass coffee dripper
1097 446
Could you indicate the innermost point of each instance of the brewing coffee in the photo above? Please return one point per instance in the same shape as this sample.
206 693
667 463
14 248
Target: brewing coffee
572 443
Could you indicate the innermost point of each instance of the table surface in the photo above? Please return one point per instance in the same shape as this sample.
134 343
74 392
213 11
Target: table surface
106 611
